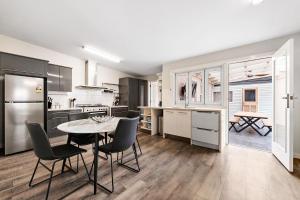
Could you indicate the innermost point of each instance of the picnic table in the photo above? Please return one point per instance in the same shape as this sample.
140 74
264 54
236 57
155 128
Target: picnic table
250 120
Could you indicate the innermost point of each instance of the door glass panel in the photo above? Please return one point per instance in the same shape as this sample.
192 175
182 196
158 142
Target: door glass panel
280 133
196 87
181 80
213 86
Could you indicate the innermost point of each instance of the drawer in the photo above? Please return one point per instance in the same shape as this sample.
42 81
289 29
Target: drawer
57 114
206 136
206 120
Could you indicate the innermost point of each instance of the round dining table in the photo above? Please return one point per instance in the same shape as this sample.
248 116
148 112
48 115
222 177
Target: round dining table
89 126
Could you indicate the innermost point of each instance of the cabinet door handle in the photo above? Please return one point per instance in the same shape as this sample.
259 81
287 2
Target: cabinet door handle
205 129
209 112
182 112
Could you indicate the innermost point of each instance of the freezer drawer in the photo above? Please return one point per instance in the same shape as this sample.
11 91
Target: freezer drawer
205 136
17 137
206 120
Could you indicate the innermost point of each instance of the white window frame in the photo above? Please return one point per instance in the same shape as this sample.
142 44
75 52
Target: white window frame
221 86
187 97
190 87
187 89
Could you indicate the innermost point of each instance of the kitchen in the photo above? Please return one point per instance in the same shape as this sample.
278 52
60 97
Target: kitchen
128 101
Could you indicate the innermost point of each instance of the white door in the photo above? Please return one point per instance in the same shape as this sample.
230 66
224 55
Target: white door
282 137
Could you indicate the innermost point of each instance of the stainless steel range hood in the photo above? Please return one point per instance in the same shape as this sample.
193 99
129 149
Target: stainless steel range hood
90 76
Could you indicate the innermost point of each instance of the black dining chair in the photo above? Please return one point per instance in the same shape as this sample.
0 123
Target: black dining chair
130 114
82 139
45 152
124 138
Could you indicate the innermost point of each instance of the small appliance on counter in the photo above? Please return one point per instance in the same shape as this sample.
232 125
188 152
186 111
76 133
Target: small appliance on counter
72 102
50 100
116 101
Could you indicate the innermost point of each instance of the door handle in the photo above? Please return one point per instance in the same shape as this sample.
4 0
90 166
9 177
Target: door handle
287 100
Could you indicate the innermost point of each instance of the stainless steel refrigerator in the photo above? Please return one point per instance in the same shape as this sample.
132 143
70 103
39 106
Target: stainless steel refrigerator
24 101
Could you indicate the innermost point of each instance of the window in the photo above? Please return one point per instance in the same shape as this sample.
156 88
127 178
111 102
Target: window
199 87
213 86
196 87
181 81
250 95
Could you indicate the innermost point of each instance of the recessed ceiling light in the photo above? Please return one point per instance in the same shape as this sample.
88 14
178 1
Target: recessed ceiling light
102 54
256 2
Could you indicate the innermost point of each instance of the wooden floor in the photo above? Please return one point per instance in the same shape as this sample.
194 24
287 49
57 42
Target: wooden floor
170 169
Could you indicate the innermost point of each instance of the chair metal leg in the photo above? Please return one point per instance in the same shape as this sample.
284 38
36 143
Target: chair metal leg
91 168
137 141
112 178
112 173
51 173
36 166
87 171
50 179
136 159
77 161
121 158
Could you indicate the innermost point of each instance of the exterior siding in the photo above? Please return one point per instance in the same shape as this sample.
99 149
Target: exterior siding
265 102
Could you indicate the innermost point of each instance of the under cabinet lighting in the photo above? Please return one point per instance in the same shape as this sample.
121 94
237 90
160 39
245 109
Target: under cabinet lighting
256 2
102 54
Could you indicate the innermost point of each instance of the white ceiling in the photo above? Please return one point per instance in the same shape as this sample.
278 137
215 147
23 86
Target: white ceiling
146 33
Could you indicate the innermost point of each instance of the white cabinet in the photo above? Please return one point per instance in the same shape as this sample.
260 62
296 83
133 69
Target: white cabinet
177 122
206 129
169 125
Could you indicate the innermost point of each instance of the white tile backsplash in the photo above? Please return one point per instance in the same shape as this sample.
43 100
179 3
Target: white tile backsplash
82 97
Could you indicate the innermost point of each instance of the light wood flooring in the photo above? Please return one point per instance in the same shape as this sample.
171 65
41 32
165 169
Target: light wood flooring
170 169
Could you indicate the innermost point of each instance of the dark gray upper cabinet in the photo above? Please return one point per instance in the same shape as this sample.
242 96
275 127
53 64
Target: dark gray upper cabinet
133 92
65 79
143 93
23 65
53 77
59 78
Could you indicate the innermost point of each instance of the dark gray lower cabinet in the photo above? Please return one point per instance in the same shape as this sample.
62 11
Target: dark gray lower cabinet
56 118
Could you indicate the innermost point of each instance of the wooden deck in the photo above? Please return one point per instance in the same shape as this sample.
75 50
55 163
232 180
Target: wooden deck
170 169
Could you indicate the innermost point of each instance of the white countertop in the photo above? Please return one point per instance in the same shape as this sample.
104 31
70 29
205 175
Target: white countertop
86 126
120 106
63 108
182 108
150 107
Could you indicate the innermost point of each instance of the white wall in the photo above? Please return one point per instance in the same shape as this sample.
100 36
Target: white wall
14 46
239 53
